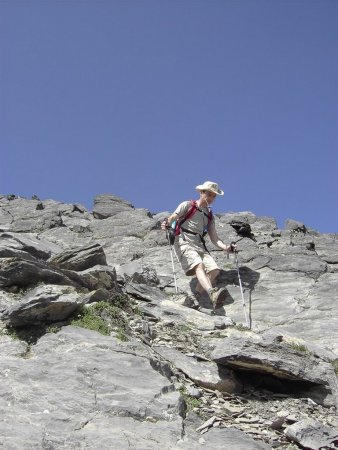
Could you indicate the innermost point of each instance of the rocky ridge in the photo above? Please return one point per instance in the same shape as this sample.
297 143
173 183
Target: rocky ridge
163 374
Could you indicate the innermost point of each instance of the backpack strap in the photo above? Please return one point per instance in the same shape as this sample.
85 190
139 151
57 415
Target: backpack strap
191 211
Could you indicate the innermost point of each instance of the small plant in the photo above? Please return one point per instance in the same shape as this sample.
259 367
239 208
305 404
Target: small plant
335 366
120 301
191 402
185 328
241 327
30 334
300 348
103 318
91 321
53 329
121 334
137 311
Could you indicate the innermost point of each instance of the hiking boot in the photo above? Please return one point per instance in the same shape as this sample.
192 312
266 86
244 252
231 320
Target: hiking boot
218 297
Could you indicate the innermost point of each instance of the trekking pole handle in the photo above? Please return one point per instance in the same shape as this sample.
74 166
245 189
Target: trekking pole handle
165 224
233 248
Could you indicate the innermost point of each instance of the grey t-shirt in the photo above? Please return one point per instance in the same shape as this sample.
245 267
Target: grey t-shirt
197 224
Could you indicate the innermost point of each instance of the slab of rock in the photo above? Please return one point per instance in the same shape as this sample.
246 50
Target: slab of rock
107 205
170 311
134 222
138 273
79 388
80 258
145 292
326 247
22 272
298 262
281 358
99 277
44 304
33 216
25 245
312 435
206 374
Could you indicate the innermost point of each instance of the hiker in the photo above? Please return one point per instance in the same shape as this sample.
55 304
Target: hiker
194 220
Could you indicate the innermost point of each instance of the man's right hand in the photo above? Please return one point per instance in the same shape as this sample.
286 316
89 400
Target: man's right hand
164 224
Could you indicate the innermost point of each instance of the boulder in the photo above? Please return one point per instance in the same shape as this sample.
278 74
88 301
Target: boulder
82 388
80 258
204 373
312 435
282 358
107 205
44 304
19 272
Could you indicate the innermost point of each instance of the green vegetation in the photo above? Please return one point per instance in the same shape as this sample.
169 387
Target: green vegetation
300 348
104 318
241 327
190 401
29 334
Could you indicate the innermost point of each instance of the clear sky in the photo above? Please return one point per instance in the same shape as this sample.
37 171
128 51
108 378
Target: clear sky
146 99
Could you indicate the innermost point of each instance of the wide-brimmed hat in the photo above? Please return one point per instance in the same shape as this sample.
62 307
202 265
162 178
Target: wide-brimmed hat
210 186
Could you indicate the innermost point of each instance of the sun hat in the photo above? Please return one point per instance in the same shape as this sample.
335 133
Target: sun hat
210 186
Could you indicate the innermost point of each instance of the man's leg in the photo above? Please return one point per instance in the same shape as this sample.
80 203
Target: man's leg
203 280
211 276
204 283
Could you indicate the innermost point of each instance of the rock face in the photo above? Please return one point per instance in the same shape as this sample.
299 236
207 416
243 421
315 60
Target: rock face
180 378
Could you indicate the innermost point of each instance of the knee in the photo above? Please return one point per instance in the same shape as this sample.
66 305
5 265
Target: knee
200 267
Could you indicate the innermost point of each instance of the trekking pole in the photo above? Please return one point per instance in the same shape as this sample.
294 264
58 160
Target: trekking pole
172 259
241 287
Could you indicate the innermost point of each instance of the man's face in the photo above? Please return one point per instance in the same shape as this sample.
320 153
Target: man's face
209 197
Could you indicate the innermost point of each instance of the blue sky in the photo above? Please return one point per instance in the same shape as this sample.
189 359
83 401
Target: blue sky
146 99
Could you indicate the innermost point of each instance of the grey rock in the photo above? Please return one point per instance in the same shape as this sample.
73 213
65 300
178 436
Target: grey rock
326 247
170 311
107 205
145 292
138 273
25 245
291 262
228 439
22 273
44 304
64 238
28 217
311 434
284 358
130 223
315 318
203 373
100 295
99 277
294 225
79 258
81 387
10 348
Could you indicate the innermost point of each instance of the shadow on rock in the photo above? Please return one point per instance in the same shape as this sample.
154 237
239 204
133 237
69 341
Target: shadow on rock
246 276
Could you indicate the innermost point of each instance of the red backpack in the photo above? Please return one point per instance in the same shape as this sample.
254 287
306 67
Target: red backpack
191 211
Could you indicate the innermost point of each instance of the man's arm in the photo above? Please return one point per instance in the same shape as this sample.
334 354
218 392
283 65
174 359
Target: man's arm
167 222
217 241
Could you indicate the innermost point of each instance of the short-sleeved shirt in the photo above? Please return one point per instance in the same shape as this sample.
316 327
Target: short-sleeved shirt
198 223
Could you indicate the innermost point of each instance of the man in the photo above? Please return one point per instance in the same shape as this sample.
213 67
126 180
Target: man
190 246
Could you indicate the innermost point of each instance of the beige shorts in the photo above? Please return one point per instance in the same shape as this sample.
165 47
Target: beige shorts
190 258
